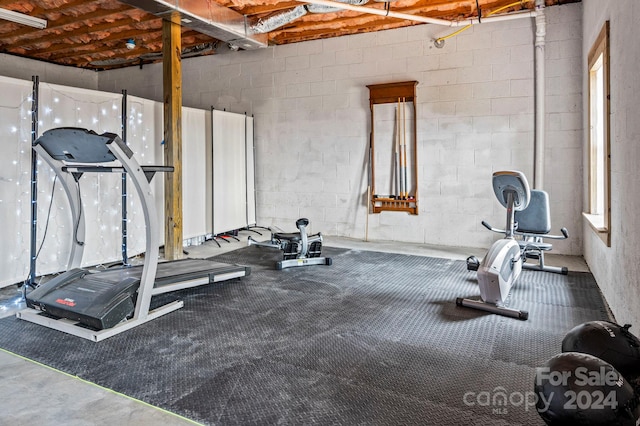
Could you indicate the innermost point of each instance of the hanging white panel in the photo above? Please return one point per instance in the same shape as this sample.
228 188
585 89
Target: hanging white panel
15 179
62 106
229 172
251 173
194 168
145 138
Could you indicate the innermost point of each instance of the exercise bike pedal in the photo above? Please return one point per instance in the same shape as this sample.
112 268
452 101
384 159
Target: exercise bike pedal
472 263
532 255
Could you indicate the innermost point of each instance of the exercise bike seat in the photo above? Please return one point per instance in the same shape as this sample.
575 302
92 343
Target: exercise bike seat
303 222
289 236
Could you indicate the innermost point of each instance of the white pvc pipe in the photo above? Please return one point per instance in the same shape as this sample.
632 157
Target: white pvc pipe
539 139
418 18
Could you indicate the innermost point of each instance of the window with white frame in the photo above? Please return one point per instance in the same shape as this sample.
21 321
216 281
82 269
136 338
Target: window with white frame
599 206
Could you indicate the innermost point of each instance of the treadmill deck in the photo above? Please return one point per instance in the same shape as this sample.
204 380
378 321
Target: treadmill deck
102 300
177 274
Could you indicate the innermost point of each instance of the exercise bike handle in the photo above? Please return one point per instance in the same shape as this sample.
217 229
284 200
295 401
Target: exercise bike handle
565 233
564 236
491 228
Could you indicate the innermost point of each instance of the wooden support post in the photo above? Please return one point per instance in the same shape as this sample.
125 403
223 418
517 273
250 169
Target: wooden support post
172 93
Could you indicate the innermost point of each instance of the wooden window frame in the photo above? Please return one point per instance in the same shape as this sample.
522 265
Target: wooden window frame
600 222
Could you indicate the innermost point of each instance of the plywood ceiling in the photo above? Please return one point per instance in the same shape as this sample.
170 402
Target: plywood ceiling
93 34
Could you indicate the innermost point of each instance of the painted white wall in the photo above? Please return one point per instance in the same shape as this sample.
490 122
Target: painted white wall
616 268
475 116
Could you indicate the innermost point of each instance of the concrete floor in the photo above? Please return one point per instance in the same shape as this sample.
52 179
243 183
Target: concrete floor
34 393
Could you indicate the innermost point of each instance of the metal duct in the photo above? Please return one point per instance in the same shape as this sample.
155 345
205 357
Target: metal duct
276 21
206 17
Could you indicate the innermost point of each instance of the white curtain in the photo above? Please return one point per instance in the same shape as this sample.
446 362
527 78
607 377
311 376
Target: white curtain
145 138
15 179
62 106
251 173
194 172
101 193
232 174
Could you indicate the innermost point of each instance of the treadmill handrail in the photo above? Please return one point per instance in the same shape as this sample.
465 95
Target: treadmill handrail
145 291
107 169
124 155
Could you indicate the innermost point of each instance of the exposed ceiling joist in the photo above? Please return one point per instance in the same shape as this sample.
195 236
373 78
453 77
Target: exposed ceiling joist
93 34
206 17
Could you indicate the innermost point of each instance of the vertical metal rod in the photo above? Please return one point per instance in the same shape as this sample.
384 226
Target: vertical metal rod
539 96
404 149
246 174
253 149
398 162
366 222
372 152
123 124
509 228
213 176
369 166
34 183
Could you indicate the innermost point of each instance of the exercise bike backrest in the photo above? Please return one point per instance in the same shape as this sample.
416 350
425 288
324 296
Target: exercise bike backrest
512 190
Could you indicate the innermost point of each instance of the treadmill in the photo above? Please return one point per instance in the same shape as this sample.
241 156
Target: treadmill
98 305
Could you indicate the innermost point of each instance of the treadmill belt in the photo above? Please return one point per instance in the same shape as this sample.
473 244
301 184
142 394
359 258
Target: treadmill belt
175 271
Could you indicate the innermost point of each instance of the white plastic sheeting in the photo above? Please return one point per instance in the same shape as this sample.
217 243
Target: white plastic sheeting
233 171
61 106
194 172
15 179
144 137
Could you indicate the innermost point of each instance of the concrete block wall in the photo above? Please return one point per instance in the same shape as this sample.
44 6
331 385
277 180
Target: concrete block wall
475 116
23 69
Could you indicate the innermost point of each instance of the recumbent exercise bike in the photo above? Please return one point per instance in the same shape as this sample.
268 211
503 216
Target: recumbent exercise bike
528 218
298 248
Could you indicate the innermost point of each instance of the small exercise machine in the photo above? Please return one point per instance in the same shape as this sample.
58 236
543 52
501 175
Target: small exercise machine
532 226
98 305
502 264
298 248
